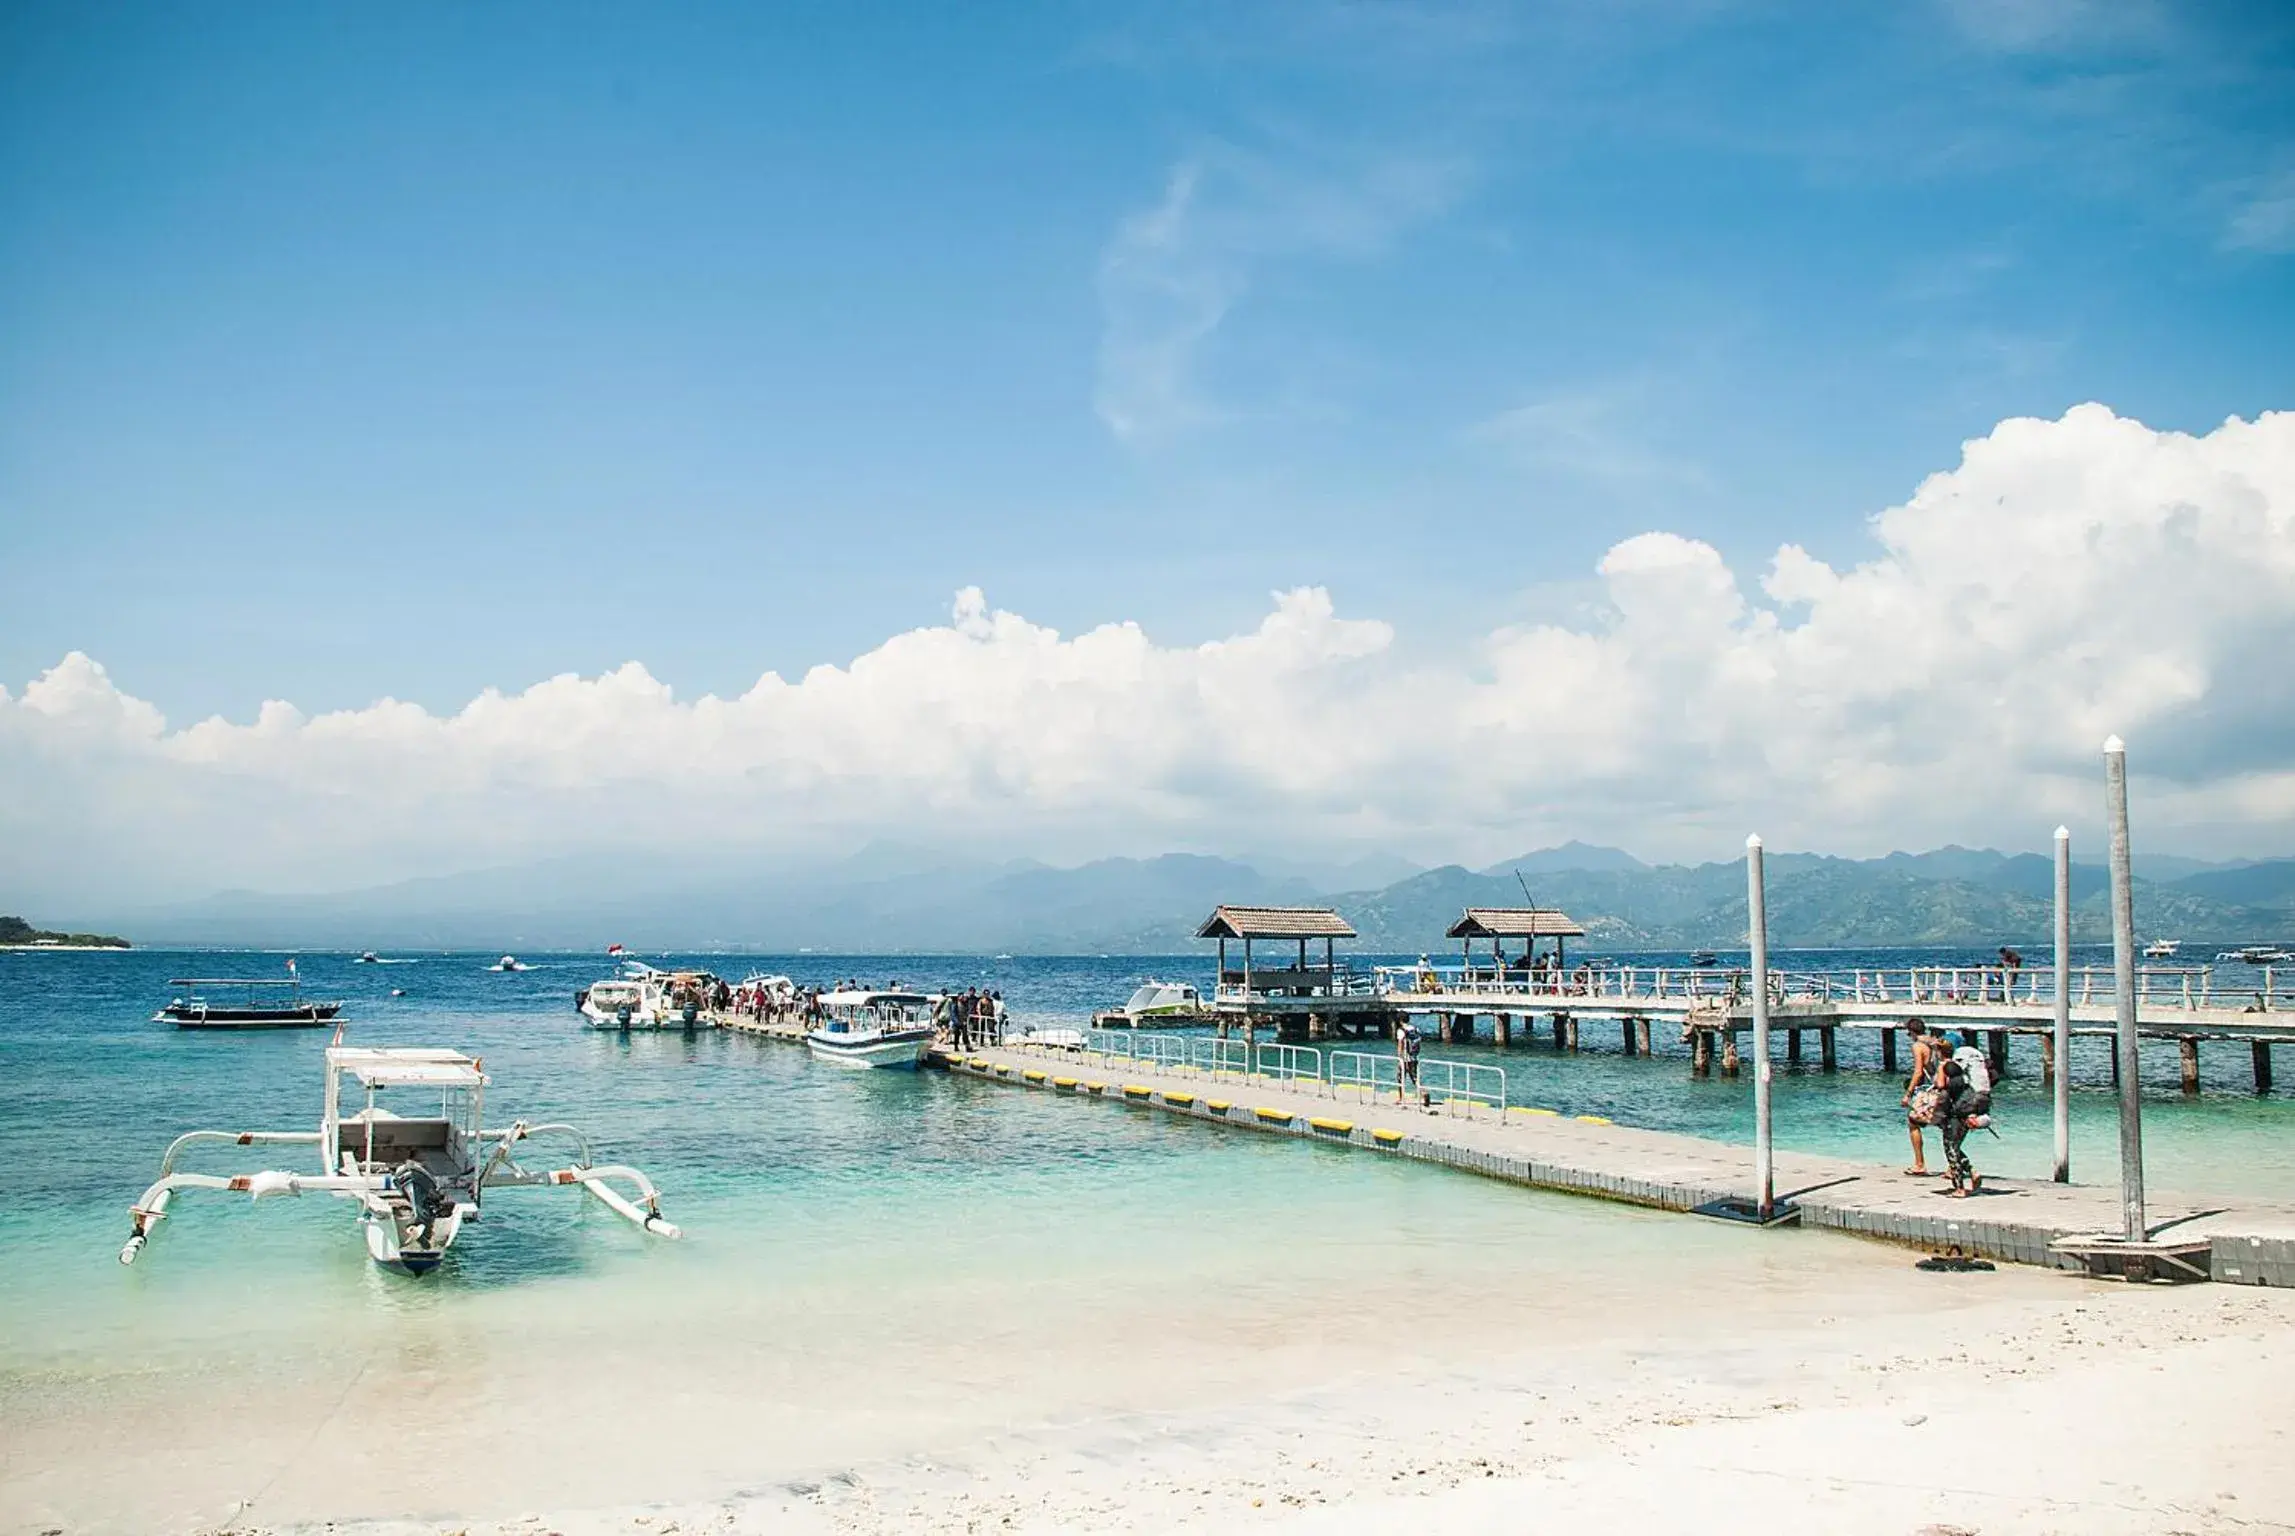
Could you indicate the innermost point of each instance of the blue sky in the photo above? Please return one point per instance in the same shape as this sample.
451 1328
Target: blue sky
454 347
1656 418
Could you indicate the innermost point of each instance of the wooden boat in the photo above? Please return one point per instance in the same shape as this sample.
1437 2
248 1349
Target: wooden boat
416 1178
873 1029
251 1003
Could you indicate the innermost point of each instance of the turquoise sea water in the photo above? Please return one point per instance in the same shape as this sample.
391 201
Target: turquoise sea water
796 1175
891 1261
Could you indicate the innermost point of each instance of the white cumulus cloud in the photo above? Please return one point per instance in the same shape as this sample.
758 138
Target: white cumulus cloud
2068 579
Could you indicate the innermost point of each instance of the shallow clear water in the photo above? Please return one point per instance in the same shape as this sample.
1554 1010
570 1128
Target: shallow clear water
792 1177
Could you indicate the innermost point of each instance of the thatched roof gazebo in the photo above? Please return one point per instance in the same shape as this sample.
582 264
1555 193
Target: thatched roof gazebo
1259 925
1529 924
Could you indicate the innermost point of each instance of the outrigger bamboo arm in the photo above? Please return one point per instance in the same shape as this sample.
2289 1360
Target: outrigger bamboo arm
594 1180
152 1208
237 1139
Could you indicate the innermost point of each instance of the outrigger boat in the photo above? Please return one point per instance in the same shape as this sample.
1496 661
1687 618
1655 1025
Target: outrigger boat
873 1029
416 1178
267 1003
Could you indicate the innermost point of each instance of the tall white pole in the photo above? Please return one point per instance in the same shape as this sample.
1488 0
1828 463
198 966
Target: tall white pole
2124 990
2063 1005
1757 927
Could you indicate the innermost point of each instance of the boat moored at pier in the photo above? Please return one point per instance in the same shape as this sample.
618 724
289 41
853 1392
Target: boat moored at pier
642 997
416 1178
243 1002
873 1029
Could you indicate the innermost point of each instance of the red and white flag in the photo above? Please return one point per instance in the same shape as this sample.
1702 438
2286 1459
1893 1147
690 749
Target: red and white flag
613 949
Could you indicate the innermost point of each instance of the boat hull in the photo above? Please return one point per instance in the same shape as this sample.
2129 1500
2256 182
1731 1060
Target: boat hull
897 1048
311 1017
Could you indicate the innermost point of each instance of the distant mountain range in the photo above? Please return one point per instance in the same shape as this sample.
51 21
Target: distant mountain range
903 901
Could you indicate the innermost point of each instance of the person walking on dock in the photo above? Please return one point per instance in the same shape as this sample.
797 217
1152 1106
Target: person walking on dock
1406 1060
1966 1079
1923 1098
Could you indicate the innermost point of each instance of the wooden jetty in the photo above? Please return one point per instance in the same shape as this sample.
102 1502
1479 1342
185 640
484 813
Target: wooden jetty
2015 1220
1305 997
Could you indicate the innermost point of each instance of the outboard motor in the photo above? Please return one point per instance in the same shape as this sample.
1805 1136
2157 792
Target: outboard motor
424 1196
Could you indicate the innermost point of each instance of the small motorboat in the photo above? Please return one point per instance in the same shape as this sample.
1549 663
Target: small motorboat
245 1003
417 1177
2256 954
1704 959
873 1029
366 957
1056 1039
509 963
2162 949
641 997
1157 1004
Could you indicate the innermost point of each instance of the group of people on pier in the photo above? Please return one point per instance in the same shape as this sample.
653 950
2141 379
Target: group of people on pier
971 1018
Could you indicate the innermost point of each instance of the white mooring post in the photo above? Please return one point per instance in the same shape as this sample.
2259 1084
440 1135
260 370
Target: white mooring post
1757 928
2063 1005
2124 991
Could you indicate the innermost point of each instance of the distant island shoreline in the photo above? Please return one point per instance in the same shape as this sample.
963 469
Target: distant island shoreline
15 933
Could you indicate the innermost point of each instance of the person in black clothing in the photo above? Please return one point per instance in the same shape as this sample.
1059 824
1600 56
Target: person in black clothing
1967 1107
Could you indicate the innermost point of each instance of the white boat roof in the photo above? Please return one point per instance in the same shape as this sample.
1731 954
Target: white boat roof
863 999
378 1066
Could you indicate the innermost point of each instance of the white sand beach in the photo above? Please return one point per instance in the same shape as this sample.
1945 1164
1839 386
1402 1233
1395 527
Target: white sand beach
1809 1384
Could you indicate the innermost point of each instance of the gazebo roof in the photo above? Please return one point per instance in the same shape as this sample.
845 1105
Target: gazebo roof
1516 923
1274 923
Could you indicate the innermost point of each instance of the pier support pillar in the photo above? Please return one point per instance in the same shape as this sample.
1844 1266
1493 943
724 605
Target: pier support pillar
1626 1029
1701 1053
1889 1050
1559 1021
1573 1032
1642 1035
2115 1071
2262 1053
1501 1030
2188 1048
2047 1059
1996 1051
1792 1047
1828 1049
1729 1054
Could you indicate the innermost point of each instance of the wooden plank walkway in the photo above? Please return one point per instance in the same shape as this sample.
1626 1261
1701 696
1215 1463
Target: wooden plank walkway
2014 1220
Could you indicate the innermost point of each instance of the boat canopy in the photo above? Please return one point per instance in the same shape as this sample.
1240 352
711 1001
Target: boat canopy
384 1067
877 999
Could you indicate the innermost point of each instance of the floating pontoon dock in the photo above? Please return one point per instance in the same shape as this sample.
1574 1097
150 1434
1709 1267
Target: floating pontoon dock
2248 1242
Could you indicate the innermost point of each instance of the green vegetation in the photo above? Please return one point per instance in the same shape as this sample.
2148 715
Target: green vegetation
14 930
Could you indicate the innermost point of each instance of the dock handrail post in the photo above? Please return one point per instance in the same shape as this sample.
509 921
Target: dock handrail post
2124 990
1757 929
2063 1042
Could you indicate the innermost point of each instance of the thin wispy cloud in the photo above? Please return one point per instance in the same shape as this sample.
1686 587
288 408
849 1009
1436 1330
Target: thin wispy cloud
1174 272
1594 432
2265 218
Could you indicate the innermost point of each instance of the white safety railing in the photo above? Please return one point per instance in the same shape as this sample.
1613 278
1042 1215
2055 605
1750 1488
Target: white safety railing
1463 1082
1288 1063
2263 989
1219 1058
1366 1074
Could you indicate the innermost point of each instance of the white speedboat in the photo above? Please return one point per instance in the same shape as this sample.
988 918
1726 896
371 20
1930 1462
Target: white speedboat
2162 949
509 963
642 997
1174 1000
367 957
873 1029
2256 954
416 1178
